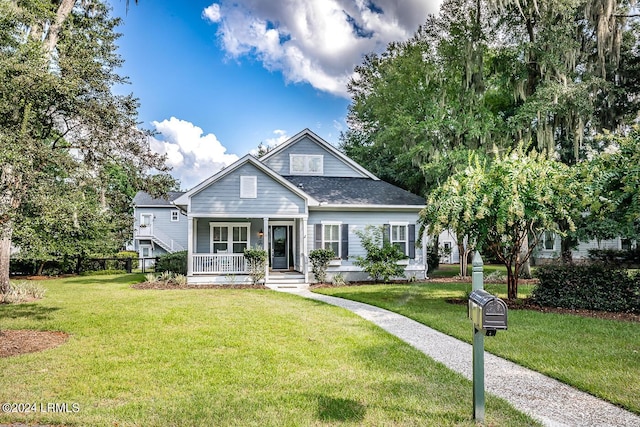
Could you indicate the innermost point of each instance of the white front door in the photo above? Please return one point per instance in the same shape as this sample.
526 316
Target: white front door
146 225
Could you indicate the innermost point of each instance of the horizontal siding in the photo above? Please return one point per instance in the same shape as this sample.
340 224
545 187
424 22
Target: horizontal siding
176 230
223 196
358 221
332 166
203 232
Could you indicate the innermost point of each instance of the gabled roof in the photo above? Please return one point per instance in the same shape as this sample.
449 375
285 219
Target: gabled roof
145 199
184 199
338 191
333 150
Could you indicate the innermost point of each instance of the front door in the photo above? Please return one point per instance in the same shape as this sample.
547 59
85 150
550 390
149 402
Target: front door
146 225
279 247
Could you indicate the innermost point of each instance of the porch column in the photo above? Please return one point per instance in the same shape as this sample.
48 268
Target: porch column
190 224
303 250
266 247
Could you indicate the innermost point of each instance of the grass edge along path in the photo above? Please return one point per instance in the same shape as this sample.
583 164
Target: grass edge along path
223 357
598 356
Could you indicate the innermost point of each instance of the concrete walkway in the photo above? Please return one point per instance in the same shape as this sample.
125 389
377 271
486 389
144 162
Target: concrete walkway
547 400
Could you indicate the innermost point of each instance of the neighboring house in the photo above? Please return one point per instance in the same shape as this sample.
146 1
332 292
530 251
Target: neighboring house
548 248
302 195
159 226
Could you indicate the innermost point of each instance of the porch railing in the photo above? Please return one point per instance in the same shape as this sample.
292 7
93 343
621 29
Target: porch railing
219 264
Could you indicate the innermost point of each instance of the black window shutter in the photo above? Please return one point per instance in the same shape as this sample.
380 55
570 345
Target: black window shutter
412 241
318 237
344 241
386 233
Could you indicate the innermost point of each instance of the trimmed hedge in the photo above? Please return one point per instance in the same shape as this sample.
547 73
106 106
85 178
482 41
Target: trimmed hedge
175 263
592 287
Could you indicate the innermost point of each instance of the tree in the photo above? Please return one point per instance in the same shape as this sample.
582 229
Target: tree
60 123
485 74
612 181
499 204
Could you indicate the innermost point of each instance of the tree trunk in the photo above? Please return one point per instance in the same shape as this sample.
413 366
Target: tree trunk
51 40
6 231
512 283
525 270
41 268
463 254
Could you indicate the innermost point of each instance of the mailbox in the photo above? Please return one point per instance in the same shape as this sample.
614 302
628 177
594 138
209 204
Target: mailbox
487 312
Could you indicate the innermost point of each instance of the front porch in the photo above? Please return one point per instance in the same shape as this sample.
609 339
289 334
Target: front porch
216 249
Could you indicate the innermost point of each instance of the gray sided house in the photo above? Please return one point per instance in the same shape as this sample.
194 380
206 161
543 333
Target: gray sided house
302 195
159 226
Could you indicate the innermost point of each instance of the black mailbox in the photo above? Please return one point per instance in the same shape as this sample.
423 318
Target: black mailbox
487 312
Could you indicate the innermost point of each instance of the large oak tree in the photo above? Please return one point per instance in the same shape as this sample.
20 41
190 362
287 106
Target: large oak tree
62 128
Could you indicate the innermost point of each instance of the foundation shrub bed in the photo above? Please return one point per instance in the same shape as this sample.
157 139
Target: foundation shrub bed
592 287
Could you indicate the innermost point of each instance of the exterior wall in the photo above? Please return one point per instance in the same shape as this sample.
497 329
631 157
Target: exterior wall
332 166
203 234
223 197
162 227
580 253
358 220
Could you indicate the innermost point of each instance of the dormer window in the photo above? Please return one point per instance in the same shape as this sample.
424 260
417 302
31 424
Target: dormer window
305 164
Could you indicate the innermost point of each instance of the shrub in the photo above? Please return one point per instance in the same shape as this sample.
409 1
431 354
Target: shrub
129 254
22 291
382 257
150 277
616 257
320 259
433 257
338 280
592 287
180 279
256 261
175 263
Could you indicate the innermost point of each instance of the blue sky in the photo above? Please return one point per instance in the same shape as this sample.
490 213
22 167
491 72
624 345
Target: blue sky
217 78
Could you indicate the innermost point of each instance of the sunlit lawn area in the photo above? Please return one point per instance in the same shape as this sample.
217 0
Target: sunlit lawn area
599 356
223 357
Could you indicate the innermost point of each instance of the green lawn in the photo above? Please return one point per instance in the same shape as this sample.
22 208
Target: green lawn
223 357
599 356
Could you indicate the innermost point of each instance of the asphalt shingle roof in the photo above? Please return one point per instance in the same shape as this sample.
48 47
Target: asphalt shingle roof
347 191
145 199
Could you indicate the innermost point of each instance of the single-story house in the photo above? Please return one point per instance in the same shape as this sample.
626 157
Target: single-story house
303 194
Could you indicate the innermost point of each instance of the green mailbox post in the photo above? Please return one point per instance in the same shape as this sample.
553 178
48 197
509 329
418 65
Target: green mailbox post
488 314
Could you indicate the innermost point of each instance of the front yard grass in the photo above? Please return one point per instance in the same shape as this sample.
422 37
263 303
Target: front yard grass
599 356
222 357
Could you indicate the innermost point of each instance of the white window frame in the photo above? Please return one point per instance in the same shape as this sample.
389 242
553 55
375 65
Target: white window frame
544 241
229 226
405 241
307 161
338 238
248 187
175 215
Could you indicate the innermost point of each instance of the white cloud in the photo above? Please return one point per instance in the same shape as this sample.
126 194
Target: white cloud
315 41
212 13
279 137
192 155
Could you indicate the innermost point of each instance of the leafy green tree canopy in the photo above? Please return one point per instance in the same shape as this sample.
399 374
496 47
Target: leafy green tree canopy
500 204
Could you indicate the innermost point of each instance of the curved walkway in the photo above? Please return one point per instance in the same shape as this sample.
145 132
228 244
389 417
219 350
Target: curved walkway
545 399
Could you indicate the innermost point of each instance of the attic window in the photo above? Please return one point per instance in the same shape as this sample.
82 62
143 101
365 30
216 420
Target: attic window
248 187
305 164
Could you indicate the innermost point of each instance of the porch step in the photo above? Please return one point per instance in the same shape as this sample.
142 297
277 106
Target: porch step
285 279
